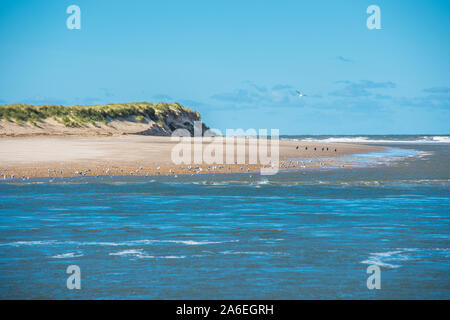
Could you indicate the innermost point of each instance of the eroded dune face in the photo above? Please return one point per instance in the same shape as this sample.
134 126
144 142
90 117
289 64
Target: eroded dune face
135 118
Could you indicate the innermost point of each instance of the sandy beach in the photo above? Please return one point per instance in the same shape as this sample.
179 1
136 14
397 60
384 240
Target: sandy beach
47 156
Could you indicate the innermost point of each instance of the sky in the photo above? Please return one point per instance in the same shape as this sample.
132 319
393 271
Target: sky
239 63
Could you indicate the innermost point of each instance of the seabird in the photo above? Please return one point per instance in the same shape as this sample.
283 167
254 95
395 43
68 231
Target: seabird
299 94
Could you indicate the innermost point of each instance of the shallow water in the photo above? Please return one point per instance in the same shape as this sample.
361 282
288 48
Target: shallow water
306 234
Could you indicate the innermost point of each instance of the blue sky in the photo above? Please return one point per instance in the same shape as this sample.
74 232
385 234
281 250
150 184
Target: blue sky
239 62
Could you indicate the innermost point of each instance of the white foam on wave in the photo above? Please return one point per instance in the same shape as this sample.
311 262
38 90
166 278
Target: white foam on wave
392 259
112 244
352 183
207 183
365 139
259 183
388 156
257 253
192 243
336 139
385 259
29 243
185 242
68 255
141 254
442 139
138 253
253 253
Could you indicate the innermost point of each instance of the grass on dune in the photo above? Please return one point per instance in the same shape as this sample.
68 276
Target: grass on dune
79 116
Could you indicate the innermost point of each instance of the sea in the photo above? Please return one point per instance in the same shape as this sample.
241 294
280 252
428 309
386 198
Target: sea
300 234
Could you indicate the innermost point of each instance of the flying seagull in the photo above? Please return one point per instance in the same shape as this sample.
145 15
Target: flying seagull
300 94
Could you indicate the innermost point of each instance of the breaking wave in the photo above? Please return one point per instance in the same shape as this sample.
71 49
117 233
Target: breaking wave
374 139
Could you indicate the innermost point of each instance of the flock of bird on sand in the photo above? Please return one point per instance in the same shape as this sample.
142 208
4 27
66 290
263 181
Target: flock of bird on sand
288 164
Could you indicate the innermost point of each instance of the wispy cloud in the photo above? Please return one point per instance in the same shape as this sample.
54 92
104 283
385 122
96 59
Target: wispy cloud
259 95
258 88
239 95
383 96
361 88
443 90
429 101
282 87
191 103
343 59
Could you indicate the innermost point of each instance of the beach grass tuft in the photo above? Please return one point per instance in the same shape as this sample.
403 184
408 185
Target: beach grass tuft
80 116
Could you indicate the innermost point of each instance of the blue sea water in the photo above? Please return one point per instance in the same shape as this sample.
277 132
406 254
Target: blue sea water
305 234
